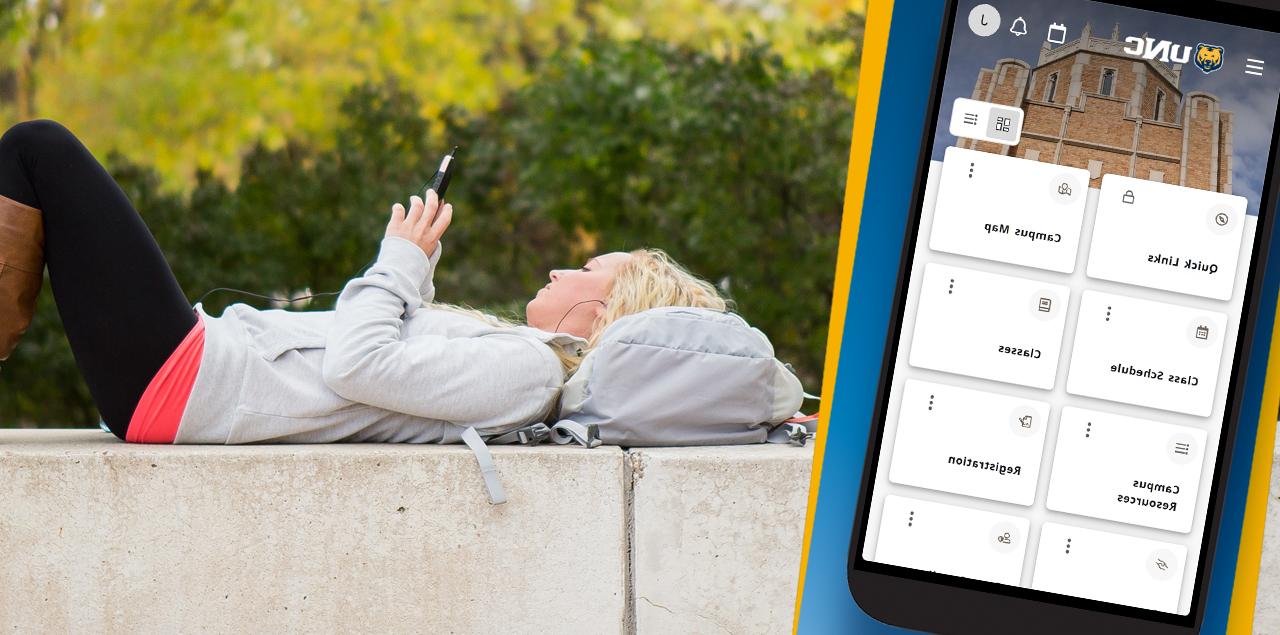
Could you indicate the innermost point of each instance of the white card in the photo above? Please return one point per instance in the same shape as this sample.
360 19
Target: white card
969 442
1169 237
1126 469
1147 353
1009 209
1109 567
989 326
953 540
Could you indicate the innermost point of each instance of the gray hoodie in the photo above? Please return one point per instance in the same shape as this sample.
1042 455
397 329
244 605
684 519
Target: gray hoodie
381 367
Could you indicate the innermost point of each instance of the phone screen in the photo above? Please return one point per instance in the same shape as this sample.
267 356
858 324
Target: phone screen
1059 387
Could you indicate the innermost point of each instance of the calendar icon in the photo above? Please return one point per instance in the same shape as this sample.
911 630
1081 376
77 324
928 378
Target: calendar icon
1057 33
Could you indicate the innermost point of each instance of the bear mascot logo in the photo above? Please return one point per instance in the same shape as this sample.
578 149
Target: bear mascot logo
1208 57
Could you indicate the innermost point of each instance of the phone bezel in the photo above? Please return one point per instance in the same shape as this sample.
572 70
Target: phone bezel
895 594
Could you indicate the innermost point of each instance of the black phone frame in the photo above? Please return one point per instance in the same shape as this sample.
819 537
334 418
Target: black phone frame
943 603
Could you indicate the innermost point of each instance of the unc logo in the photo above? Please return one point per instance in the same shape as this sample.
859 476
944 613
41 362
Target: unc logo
1208 57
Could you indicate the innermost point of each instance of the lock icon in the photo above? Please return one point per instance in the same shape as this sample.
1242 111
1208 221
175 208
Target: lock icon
1128 197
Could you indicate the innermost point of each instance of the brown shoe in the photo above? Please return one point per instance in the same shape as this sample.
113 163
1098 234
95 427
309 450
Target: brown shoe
21 270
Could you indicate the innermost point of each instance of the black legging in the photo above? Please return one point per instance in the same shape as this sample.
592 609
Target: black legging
123 311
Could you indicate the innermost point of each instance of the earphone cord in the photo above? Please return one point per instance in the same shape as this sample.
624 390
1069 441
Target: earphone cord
304 297
566 313
275 299
328 293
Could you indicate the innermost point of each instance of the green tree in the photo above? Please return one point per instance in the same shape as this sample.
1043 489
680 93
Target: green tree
734 165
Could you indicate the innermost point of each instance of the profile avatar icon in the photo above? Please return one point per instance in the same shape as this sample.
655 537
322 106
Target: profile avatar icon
1208 57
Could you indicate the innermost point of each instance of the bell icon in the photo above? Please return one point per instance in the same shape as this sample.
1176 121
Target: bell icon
1019 27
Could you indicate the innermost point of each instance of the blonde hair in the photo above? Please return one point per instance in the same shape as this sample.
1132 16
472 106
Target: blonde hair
651 278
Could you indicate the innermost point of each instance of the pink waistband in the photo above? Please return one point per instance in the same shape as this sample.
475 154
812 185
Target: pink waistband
156 418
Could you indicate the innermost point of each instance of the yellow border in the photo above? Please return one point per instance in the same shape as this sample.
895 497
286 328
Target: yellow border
1244 594
875 43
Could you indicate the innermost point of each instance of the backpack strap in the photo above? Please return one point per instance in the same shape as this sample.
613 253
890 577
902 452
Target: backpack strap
532 434
796 431
791 368
569 431
488 469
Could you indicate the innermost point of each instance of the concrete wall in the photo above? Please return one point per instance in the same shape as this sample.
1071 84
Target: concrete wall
105 537
718 537
102 536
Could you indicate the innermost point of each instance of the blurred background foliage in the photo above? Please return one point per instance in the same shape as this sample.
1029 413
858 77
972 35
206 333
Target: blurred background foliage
263 143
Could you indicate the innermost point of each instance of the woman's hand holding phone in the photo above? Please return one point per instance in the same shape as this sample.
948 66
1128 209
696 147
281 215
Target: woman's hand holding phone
424 223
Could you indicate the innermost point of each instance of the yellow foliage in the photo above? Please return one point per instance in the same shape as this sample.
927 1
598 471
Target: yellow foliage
182 84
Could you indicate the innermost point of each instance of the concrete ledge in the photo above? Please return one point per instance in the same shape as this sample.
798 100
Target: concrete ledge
718 537
106 537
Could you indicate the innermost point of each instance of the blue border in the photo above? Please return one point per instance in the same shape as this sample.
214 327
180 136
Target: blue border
826 605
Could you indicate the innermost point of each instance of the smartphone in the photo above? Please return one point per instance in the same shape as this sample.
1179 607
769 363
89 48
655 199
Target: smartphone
1062 376
444 174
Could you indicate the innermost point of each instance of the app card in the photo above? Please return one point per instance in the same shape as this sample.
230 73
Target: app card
952 540
1127 469
1147 353
1009 209
1169 237
989 326
1109 567
969 442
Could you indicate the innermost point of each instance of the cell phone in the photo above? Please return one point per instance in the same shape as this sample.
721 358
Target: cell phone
1063 373
440 180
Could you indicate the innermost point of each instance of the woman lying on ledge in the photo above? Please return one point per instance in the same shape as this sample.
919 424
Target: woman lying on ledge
386 365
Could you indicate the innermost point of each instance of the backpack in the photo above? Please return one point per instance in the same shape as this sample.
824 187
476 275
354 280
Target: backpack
671 376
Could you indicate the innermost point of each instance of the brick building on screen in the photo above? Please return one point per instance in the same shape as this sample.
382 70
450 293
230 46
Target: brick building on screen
1087 104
